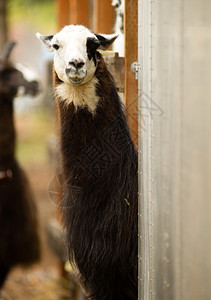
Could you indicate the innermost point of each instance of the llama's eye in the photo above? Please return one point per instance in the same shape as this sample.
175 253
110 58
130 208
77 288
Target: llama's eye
55 46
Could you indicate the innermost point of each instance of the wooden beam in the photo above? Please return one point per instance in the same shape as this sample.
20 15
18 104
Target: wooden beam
79 12
3 23
131 55
62 13
103 16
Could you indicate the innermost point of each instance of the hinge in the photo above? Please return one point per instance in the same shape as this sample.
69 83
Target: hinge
135 68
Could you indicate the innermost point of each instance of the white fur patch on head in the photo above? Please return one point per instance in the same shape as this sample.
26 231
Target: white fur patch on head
83 96
71 42
75 63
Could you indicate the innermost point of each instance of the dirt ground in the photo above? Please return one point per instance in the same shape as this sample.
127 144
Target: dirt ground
43 280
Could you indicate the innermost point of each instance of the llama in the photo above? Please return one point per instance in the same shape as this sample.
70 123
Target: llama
99 163
19 241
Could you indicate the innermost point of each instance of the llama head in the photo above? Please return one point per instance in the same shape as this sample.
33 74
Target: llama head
75 49
12 79
13 82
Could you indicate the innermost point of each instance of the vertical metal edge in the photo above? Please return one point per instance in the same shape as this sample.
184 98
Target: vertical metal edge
144 143
140 232
140 281
140 262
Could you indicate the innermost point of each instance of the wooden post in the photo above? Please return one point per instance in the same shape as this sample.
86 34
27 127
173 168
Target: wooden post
131 55
3 24
62 13
79 12
103 16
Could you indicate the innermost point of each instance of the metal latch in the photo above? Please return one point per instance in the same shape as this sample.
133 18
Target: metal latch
135 68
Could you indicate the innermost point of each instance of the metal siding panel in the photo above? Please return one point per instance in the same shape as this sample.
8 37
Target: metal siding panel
145 238
196 152
174 150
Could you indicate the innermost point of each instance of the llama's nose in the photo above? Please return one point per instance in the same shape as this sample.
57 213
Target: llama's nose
77 64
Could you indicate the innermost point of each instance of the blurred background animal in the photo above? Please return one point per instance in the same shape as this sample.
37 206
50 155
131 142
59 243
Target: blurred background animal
19 239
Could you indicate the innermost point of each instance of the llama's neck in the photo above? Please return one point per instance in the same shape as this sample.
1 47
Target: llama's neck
80 129
7 134
82 96
100 89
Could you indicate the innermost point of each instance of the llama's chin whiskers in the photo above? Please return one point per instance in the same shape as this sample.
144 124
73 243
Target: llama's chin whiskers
76 81
81 95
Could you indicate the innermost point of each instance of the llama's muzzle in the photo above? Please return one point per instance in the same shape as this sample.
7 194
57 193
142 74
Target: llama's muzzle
76 71
75 76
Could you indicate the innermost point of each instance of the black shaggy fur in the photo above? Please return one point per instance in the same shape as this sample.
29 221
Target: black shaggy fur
19 241
100 192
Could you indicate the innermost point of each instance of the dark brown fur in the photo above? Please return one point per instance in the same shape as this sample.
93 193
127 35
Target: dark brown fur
100 192
19 241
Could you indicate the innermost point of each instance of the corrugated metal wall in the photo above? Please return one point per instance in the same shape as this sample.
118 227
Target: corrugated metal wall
175 150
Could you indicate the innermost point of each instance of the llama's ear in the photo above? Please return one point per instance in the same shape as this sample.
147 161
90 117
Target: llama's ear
106 40
46 40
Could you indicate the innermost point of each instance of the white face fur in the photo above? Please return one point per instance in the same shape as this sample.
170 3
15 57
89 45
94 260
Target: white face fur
75 62
71 61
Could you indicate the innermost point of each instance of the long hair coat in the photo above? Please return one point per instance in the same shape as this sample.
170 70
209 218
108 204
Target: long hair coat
99 204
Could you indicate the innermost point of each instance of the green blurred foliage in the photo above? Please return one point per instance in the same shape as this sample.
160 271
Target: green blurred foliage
34 13
36 127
